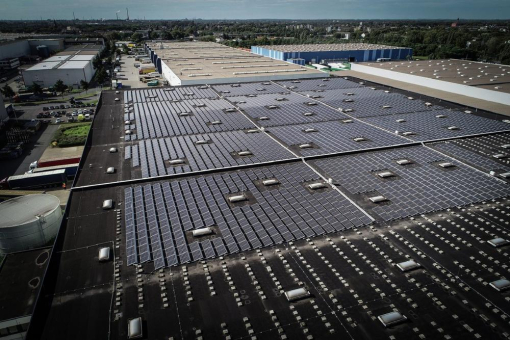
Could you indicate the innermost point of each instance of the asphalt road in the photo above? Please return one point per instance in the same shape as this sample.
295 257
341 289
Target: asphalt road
33 152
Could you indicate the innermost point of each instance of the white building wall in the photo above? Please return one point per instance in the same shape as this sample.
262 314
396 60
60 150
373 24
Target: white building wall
169 75
465 90
47 78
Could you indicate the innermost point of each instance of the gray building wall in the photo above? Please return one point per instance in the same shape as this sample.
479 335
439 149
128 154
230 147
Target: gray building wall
54 45
15 49
3 112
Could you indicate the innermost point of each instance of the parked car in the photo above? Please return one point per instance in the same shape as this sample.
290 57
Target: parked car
39 115
45 108
58 121
62 106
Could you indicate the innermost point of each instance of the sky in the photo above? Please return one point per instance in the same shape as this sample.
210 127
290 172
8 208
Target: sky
255 9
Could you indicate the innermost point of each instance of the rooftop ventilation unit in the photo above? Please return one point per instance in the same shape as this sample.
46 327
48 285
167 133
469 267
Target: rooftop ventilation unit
347 121
177 161
349 94
500 285
216 122
264 118
311 103
184 114
110 170
305 146
113 150
271 71
316 186
200 105
498 242
235 85
408 265
273 107
401 120
252 131
237 198
107 204
403 162
410 98
505 175
377 199
452 128
391 319
201 141
104 254
280 99
202 232
348 100
191 69
199 75
446 165
225 91
203 87
269 182
428 104
440 116
499 156
252 95
230 110
296 294
245 153
295 82
135 329
308 114
408 133
309 130
386 106
386 174
359 139
505 146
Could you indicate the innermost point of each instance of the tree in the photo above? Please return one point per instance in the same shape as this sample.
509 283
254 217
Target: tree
70 89
60 87
36 88
8 92
84 85
101 76
137 37
97 62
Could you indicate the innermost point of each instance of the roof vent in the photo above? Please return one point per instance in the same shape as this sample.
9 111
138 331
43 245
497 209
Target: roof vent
110 170
295 81
498 242
453 128
348 100
428 104
225 91
113 150
202 232
260 89
176 161
315 186
401 120
499 155
378 199
505 175
348 110
440 116
184 114
500 285
505 146
403 162
308 114
237 198
264 118
135 328
386 106
309 130
391 319
349 94
252 95
408 133
200 105
230 110
296 294
107 204
201 141
305 146
216 122
273 107
410 98
104 254
245 153
446 165
408 265
252 131
280 99
269 182
311 103
386 174
359 139
347 121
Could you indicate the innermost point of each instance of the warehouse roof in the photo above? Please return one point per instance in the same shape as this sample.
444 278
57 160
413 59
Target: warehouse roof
45 65
78 64
20 277
83 57
327 47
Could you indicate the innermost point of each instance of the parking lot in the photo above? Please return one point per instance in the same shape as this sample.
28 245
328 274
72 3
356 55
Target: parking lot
65 112
128 74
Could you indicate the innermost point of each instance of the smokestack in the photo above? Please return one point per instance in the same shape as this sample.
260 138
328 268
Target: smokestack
127 11
117 14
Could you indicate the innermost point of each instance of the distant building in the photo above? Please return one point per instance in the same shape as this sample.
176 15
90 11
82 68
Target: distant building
9 63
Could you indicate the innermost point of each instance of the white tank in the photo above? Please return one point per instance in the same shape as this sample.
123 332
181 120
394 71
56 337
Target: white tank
29 221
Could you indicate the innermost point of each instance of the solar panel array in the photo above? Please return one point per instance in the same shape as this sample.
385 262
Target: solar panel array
248 88
164 119
438 124
318 84
200 128
417 188
330 137
161 216
220 151
470 157
169 94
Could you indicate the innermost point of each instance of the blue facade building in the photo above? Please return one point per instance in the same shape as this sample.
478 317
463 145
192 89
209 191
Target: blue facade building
318 52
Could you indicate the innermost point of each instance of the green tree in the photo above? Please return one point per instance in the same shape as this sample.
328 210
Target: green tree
97 62
60 87
70 89
8 92
84 85
101 76
137 37
36 88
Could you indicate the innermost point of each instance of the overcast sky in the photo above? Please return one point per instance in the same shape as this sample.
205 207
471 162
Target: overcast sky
256 9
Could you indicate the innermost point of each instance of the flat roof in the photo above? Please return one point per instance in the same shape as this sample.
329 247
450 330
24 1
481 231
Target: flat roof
494 77
57 58
45 65
86 57
328 47
75 64
21 277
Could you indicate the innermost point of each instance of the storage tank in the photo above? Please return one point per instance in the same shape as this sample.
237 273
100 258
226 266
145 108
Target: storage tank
28 222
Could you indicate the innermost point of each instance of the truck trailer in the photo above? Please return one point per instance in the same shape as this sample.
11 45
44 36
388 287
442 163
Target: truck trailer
34 181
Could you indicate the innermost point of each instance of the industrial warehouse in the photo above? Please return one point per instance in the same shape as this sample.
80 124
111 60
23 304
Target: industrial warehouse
71 66
319 53
312 208
199 63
